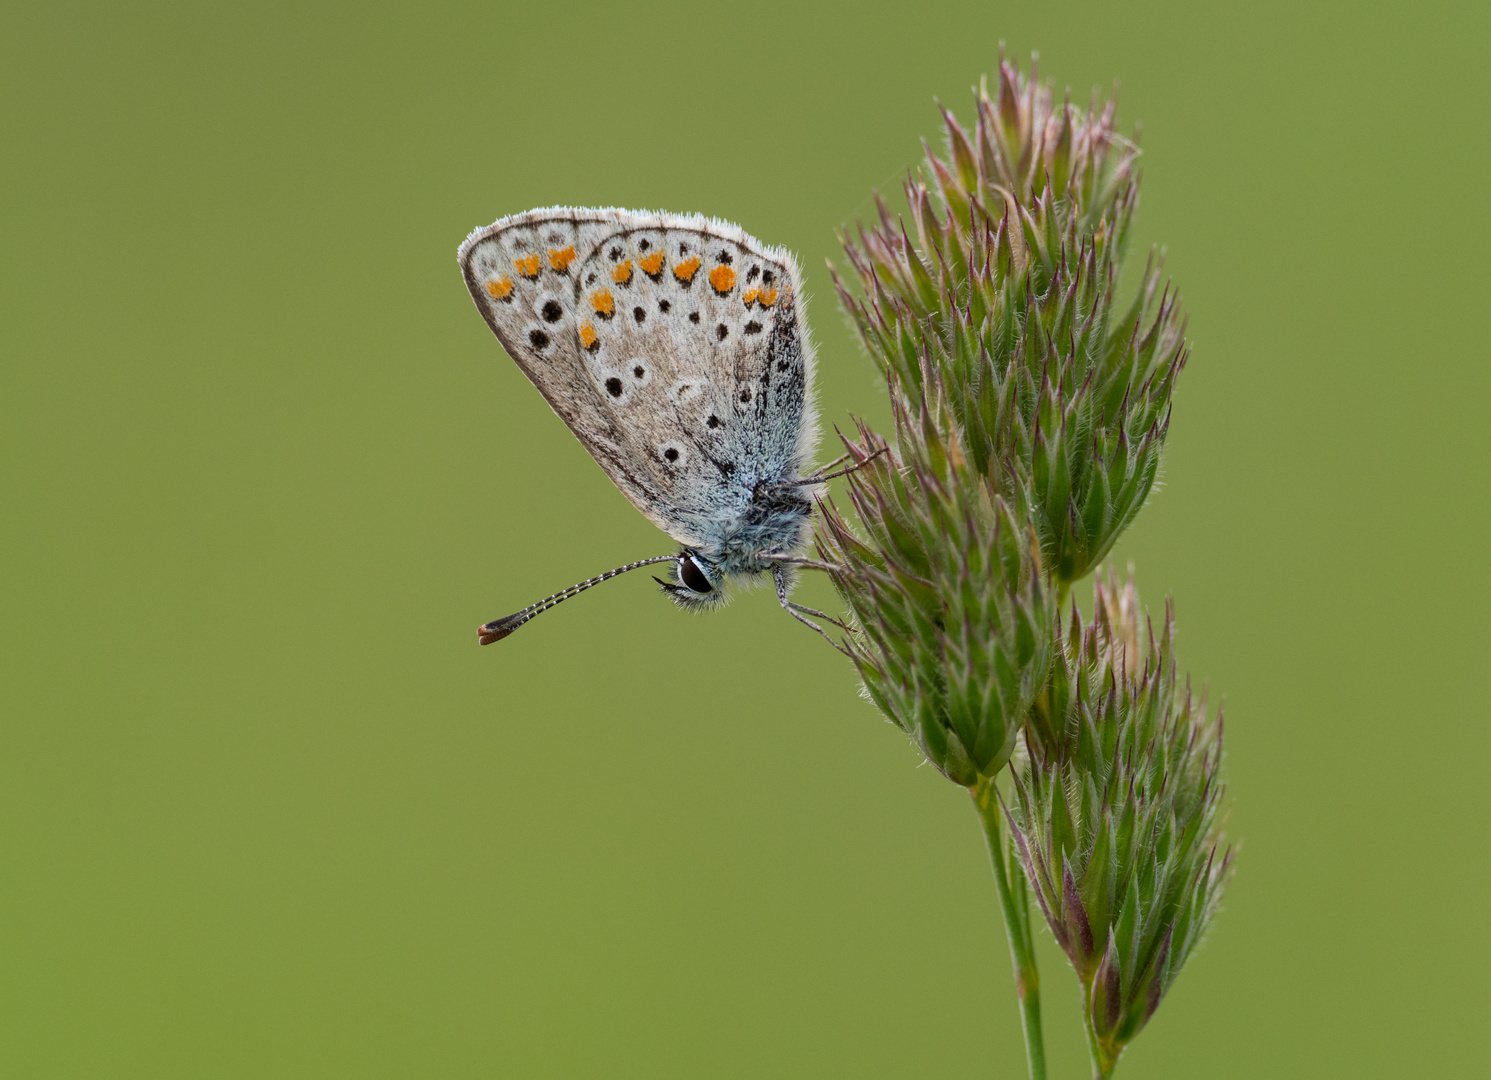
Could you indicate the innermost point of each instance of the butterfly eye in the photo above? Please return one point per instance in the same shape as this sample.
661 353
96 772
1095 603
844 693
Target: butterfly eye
693 577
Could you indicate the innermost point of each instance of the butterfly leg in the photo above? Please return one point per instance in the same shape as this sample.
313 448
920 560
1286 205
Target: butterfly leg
820 476
836 461
799 611
807 564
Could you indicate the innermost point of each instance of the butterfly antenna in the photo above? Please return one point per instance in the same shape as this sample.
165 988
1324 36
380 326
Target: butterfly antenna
498 629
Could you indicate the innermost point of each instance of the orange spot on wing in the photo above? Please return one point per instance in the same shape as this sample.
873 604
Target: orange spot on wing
767 297
500 288
652 264
561 258
722 278
621 273
604 304
686 270
750 296
587 336
527 265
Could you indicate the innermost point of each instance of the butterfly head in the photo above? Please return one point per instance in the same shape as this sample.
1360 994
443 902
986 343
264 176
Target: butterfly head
698 582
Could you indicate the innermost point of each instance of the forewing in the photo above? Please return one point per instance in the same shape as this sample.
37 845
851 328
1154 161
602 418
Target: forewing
670 346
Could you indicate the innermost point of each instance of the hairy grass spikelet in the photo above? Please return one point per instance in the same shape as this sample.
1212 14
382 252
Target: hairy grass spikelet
1007 294
1116 813
946 586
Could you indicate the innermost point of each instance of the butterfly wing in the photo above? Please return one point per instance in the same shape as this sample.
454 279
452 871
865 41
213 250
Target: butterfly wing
671 346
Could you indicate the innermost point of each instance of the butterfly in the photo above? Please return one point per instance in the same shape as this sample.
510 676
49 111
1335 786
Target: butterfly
675 350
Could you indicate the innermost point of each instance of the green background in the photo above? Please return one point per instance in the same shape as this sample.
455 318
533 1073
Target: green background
267 810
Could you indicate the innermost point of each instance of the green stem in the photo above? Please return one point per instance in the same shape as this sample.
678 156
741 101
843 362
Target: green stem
1095 1055
1094 1049
1009 880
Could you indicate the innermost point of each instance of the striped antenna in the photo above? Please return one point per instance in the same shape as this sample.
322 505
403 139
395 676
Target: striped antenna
498 629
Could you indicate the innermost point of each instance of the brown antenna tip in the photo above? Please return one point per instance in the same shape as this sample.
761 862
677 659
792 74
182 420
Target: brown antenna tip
496 630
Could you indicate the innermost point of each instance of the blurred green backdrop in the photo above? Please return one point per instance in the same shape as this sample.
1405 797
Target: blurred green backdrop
269 811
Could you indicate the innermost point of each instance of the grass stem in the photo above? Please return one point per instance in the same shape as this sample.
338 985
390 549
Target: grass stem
1009 880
